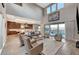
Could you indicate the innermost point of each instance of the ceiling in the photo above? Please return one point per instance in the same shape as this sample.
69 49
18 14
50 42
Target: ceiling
43 5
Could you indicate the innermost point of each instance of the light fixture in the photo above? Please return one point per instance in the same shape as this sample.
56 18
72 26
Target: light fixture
22 26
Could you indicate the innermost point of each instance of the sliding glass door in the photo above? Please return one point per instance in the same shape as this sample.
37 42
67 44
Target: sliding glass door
54 29
62 30
46 30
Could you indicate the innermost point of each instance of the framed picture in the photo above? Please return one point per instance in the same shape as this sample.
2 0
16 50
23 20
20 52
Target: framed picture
54 16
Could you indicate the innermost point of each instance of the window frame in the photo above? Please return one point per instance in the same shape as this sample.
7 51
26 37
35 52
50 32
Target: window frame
60 8
47 9
56 8
51 8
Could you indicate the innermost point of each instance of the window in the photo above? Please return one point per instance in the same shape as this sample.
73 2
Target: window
62 30
46 28
39 28
48 10
54 29
60 5
53 7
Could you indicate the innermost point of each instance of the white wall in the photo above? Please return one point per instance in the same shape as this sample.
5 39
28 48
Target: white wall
29 10
2 28
67 15
1 37
17 19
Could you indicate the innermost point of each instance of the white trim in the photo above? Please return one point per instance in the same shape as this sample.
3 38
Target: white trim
21 20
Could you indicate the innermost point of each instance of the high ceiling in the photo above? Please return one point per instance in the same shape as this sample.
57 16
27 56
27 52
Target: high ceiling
43 5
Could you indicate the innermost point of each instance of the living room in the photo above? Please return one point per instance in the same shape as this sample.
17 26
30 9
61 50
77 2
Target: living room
51 29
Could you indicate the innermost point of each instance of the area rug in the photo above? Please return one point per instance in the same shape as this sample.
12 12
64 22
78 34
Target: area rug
51 46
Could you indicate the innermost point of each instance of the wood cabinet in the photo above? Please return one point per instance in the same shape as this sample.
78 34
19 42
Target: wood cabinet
16 26
13 25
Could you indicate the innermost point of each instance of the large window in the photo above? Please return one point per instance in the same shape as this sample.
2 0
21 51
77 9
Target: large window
62 30
47 29
60 5
48 10
54 7
54 29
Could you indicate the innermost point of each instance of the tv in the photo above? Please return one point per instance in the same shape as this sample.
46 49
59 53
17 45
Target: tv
77 19
54 16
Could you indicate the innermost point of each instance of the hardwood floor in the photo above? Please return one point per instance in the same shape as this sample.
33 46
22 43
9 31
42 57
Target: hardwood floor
52 47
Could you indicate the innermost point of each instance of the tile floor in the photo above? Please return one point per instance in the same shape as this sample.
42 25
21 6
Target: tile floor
51 47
